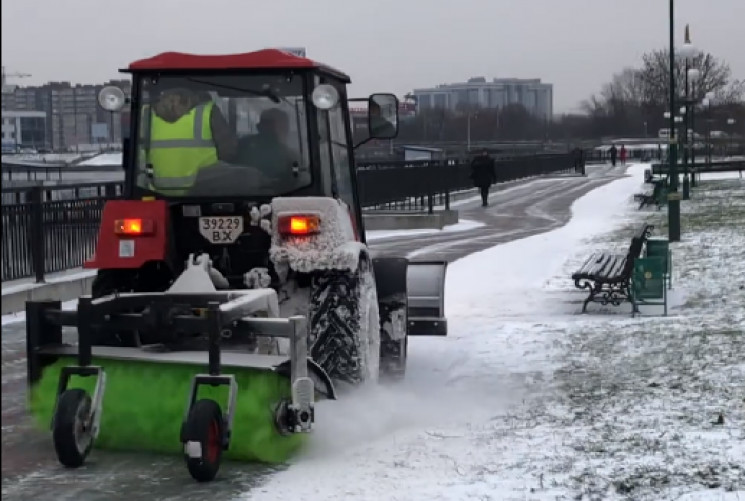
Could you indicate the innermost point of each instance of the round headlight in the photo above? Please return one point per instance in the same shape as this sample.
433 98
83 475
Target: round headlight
325 97
111 98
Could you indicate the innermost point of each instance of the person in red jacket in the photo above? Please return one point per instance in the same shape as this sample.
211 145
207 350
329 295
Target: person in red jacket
623 155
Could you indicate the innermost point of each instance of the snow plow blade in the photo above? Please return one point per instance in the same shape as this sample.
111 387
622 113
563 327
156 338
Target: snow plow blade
425 291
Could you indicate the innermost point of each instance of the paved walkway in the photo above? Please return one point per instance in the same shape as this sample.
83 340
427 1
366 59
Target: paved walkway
516 212
29 466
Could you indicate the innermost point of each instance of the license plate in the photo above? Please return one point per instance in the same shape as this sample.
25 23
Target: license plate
221 229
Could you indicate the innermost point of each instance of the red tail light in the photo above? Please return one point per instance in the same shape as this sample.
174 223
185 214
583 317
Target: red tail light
299 224
134 226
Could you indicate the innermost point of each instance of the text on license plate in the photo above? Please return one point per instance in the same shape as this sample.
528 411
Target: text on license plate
221 229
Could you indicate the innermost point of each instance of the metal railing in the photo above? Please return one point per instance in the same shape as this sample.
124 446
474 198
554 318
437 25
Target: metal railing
48 229
703 167
420 186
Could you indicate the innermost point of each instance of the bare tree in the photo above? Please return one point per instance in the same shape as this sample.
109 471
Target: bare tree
715 77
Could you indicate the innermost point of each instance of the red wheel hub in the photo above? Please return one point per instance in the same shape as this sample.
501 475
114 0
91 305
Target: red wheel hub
214 442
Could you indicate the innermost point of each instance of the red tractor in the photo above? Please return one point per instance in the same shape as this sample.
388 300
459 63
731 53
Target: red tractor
239 243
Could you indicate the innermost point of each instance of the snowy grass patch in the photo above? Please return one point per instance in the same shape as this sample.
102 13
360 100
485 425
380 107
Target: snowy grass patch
526 399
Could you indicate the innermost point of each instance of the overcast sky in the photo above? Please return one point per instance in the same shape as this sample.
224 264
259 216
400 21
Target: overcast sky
384 45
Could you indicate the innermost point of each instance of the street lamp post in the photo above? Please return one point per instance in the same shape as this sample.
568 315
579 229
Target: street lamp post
688 52
731 122
694 75
706 103
673 198
468 131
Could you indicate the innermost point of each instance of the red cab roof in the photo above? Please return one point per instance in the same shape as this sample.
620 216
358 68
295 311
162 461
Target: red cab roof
261 59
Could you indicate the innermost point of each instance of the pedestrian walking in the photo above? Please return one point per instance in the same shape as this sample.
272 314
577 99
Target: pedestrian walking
483 175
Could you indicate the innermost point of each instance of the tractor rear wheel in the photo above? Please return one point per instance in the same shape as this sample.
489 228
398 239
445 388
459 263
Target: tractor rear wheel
345 324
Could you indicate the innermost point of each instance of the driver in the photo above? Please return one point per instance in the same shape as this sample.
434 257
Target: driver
268 150
187 132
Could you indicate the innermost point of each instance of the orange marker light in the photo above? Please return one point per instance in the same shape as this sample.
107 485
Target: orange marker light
133 227
299 224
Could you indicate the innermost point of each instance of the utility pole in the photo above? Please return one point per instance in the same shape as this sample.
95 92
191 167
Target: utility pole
673 197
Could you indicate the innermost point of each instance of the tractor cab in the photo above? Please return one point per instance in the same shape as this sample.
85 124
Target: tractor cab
217 137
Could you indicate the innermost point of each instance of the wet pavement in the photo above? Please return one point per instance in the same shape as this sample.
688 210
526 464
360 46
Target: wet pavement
29 466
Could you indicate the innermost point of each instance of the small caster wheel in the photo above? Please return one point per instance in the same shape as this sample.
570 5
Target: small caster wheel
73 438
283 418
203 440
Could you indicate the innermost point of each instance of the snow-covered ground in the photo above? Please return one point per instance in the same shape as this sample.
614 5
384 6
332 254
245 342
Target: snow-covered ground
104 159
24 284
42 157
462 225
528 400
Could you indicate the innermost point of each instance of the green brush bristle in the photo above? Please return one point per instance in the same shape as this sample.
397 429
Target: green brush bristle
144 403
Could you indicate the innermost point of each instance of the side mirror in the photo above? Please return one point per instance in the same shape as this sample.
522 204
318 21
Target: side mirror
382 116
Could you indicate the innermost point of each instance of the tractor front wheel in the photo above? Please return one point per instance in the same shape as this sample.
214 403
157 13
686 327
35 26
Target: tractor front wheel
71 431
203 440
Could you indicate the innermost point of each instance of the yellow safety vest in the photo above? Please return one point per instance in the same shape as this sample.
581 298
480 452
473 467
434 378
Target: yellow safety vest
177 150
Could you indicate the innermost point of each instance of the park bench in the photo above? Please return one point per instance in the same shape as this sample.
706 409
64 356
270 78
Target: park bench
607 275
657 197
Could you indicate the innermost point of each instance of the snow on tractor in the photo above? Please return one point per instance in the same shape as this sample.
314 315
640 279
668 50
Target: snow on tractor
238 249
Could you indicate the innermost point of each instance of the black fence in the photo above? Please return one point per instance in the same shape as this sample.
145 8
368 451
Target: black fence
418 186
702 167
48 229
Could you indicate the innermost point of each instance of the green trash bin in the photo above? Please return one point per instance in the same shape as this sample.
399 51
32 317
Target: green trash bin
660 247
648 283
661 193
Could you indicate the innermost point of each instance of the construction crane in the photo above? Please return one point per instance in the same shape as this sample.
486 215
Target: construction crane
16 75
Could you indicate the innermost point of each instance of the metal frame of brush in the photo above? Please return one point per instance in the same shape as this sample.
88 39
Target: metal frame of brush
163 318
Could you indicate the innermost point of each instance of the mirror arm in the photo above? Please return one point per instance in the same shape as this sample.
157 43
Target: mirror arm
362 142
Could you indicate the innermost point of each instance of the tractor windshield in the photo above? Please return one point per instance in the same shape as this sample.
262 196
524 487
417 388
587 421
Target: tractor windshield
228 135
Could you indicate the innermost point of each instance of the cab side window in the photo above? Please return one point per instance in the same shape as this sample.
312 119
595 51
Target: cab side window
340 156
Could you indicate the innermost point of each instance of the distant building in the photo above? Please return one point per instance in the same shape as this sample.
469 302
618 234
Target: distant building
24 130
73 116
535 96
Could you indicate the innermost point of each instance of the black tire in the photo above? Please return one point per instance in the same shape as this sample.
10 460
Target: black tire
205 425
72 440
393 346
345 324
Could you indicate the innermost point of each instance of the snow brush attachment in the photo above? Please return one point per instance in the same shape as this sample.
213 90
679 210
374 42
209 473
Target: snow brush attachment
144 404
181 391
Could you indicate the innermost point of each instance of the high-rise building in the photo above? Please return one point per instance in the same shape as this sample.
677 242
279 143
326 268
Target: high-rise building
73 117
537 97
24 129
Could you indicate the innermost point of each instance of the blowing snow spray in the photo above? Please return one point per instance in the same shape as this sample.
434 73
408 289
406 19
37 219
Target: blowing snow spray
144 404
